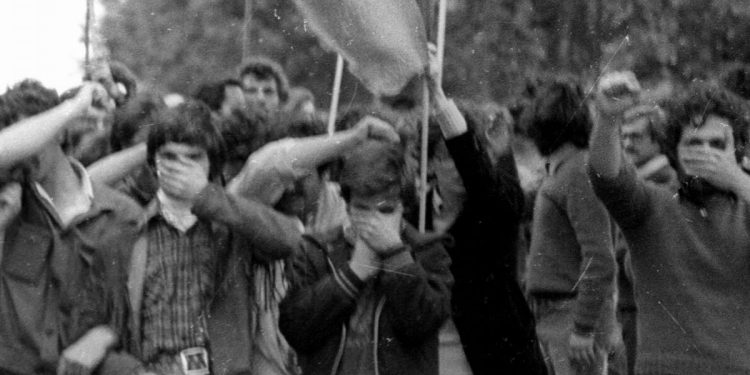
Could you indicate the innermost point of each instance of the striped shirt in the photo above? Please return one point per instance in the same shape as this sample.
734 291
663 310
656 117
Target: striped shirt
179 285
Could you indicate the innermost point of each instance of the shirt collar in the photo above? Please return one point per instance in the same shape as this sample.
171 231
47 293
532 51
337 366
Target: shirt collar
181 218
83 177
86 187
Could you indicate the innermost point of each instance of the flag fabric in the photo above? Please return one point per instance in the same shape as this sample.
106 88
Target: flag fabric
383 41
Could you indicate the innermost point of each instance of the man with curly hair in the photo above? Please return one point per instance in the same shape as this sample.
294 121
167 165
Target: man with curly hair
689 250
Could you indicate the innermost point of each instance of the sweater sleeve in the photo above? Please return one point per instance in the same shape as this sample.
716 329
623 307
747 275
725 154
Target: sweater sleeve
593 232
268 233
625 196
494 188
418 291
319 301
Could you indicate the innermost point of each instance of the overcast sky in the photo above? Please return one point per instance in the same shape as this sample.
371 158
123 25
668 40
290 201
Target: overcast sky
42 39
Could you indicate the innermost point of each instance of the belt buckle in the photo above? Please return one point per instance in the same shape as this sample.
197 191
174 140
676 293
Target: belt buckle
194 361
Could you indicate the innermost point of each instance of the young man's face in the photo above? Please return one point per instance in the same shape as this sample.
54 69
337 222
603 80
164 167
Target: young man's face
712 135
181 152
261 93
637 142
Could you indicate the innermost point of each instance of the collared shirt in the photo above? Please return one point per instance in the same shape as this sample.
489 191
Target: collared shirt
86 188
57 282
179 285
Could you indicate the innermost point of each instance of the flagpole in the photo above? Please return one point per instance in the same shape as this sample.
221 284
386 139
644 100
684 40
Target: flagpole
423 157
87 32
336 93
246 29
426 117
442 10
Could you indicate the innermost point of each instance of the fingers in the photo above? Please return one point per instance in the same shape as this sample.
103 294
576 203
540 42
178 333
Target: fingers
624 81
616 92
384 131
376 128
585 356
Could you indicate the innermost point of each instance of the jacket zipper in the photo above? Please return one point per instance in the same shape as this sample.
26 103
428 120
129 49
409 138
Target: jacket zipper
378 312
337 360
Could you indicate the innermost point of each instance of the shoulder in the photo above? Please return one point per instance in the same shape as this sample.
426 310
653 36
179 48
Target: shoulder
422 241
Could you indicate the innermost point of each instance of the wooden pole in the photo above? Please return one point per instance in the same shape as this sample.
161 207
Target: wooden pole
423 158
440 37
442 10
246 30
335 95
87 30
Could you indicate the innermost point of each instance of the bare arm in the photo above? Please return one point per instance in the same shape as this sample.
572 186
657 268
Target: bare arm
29 136
117 166
605 150
309 153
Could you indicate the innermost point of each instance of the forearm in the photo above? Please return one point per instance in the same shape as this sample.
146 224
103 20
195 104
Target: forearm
311 152
595 288
311 313
29 136
742 187
419 292
271 235
119 165
605 155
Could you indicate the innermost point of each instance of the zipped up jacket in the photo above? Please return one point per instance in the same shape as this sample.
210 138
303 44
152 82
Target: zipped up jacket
414 303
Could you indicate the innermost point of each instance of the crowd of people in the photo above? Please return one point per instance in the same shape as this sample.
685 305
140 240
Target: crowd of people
227 232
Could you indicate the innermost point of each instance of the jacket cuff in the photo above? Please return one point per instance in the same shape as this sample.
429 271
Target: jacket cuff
348 281
452 122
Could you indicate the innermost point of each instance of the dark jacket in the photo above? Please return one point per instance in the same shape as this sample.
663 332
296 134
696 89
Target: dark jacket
246 232
87 289
323 294
490 312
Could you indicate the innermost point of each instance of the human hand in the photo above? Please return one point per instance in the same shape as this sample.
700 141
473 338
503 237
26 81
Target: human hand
364 263
434 72
89 351
92 101
374 128
717 167
100 72
581 349
616 93
181 178
380 231
498 134
10 203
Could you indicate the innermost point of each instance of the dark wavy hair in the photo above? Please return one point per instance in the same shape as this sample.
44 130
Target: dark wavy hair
558 115
694 105
133 120
214 94
373 168
26 98
189 123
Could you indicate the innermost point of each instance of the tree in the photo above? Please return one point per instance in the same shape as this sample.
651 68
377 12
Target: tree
493 46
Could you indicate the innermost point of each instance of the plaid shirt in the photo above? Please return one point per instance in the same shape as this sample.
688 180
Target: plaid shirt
179 285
